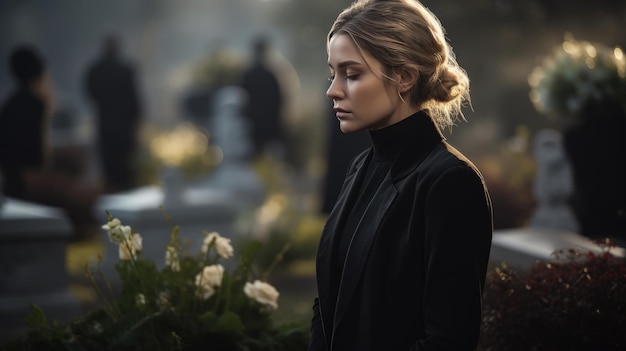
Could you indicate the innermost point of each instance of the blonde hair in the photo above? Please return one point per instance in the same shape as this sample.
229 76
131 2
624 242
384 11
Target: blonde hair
405 35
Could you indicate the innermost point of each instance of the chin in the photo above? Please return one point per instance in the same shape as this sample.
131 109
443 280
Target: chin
347 127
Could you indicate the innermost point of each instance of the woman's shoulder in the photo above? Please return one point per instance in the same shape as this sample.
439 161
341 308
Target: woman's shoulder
445 159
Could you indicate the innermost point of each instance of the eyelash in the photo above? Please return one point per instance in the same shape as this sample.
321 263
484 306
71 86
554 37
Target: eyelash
350 77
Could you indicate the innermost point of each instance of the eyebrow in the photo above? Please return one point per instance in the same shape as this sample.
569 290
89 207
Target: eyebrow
344 64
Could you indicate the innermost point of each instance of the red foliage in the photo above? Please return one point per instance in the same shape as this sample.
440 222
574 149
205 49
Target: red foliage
577 302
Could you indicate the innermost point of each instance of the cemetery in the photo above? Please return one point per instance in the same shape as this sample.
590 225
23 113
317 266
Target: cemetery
215 243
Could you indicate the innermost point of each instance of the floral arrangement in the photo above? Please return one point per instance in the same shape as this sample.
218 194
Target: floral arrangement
193 303
573 303
577 75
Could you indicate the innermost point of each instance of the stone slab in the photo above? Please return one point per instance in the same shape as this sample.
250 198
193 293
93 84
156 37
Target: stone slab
522 247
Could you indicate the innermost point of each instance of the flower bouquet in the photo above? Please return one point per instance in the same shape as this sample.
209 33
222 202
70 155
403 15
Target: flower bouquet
577 76
193 303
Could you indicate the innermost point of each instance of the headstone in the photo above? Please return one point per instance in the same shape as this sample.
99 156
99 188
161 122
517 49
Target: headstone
230 133
33 242
195 210
554 184
522 247
210 204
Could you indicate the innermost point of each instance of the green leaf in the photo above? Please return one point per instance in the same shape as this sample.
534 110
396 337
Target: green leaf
229 323
250 250
37 318
208 319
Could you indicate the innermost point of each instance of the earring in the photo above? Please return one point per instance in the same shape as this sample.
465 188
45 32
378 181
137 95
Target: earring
401 98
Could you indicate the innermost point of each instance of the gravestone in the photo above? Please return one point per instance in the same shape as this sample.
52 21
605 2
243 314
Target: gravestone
230 133
194 209
209 204
554 184
522 247
33 242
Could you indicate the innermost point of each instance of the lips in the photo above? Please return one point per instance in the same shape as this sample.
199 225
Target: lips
340 113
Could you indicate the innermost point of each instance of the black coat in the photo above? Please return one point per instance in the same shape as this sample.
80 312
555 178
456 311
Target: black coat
415 269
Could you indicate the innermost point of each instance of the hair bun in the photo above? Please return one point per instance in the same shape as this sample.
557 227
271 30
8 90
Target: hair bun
450 85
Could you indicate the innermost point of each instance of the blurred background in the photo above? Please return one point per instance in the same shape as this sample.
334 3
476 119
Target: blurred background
177 49
183 53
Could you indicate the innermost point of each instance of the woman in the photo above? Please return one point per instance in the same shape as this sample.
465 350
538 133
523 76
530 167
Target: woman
402 259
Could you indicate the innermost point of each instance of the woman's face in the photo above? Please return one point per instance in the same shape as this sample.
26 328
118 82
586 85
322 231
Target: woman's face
361 99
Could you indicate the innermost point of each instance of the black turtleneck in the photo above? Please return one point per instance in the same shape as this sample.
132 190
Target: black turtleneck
387 143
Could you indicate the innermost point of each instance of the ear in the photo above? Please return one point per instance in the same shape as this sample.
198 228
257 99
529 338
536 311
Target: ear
406 79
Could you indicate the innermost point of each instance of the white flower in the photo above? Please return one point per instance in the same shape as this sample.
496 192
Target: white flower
171 258
130 246
164 300
263 293
222 245
209 279
117 233
140 300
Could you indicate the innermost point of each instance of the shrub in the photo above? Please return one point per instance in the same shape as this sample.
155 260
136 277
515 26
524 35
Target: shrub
194 303
576 302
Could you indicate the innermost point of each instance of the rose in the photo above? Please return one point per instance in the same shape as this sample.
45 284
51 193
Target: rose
222 245
130 246
263 293
209 279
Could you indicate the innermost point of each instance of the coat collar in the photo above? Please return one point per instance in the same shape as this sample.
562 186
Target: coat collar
426 137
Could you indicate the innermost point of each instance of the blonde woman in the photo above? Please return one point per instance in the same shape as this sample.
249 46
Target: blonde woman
402 259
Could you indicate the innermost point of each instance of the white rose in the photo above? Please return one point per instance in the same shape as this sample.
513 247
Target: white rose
263 293
130 246
222 245
205 290
213 274
209 279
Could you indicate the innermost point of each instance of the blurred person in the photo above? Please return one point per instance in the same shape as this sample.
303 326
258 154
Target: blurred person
111 85
265 101
402 259
25 148
25 122
598 158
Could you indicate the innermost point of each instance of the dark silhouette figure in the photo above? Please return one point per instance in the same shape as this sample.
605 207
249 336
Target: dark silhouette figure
23 122
28 170
598 156
111 85
265 100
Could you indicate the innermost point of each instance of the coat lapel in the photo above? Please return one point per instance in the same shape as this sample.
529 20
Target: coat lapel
327 240
361 244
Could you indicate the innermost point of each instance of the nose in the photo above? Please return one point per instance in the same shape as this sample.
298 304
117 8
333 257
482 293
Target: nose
334 91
